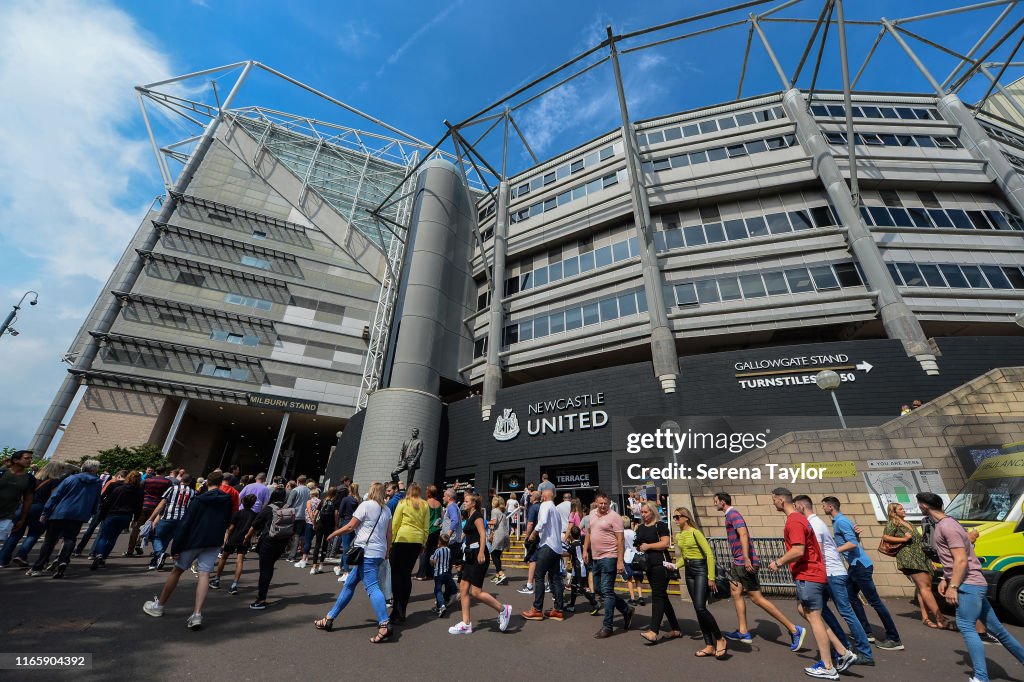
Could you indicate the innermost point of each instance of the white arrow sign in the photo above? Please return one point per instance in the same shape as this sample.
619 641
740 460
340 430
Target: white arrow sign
866 366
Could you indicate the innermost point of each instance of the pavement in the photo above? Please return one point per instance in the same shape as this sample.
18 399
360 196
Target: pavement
101 613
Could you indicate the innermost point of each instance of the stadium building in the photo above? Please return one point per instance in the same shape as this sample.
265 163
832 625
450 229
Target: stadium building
301 280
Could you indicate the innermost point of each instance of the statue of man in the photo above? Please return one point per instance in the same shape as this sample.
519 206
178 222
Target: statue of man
409 459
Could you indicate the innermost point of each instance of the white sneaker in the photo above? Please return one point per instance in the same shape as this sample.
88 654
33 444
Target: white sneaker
822 673
195 621
504 617
460 628
314 571
300 564
337 570
343 578
153 608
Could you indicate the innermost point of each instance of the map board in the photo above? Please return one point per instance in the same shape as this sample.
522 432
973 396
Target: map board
902 485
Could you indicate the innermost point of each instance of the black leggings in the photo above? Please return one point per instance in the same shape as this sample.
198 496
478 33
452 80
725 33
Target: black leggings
269 552
60 529
319 552
403 558
496 558
697 586
426 570
657 577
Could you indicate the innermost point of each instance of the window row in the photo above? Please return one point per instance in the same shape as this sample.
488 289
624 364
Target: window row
568 195
865 111
248 302
233 337
891 140
731 151
592 312
957 276
797 280
912 216
211 369
589 161
712 125
1015 161
1005 136
744 228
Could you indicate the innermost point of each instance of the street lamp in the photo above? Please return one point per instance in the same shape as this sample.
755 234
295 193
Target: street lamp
6 328
828 380
1019 318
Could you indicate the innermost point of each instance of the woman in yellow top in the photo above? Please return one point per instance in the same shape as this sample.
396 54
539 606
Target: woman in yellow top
699 561
409 528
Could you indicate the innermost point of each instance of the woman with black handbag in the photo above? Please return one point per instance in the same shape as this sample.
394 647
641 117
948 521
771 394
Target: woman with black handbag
653 540
371 522
698 563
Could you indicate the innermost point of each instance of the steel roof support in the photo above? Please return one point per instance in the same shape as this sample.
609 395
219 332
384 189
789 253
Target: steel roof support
663 345
161 163
851 138
1002 70
977 45
871 53
1009 98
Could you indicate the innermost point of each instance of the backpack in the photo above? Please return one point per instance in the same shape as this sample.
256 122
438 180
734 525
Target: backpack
325 515
282 523
928 539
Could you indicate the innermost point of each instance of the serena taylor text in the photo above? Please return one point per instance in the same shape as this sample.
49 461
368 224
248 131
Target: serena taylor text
703 472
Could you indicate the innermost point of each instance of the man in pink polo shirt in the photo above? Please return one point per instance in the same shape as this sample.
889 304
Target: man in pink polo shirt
604 542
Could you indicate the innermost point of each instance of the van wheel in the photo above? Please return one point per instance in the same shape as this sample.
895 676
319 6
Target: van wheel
1011 597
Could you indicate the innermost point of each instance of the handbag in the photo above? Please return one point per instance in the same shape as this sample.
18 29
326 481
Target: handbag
356 553
890 548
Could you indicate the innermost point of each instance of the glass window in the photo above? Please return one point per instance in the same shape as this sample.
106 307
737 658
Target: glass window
778 223
540 327
526 330
641 301
550 204
715 233
880 216
479 347
609 309
525 281
775 143
254 262
752 286
894 273
708 127
931 274
822 216
906 140
775 283
974 276
680 160
634 247
735 229
919 217
549 178
691 130
726 123
707 291
686 294
609 180
606 153
757 146
263 305
1014 275
866 216
579 192
716 153
510 335
888 112
603 256
570 267
511 286
939 217
562 172
799 280
586 261
824 278
729 287
924 141
901 217
736 150
757 227
557 322
694 235
906 112
978 220
627 304
576 166
801 220
555 272
259 234
994 274
872 112
564 198
655 137
847 275
837 111
540 276
999 220
698 157
621 250
662 164
591 314
954 277
911 275
745 119
960 219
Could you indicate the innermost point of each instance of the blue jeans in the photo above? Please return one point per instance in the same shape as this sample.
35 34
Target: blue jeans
444 588
367 572
346 543
113 525
604 583
861 581
34 531
163 534
973 607
839 591
548 564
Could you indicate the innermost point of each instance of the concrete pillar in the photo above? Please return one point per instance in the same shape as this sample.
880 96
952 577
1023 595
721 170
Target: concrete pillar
982 147
897 317
496 319
391 414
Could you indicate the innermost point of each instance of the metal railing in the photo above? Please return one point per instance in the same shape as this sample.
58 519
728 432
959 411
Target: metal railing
767 549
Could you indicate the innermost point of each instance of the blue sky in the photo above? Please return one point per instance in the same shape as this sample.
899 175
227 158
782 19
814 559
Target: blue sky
77 172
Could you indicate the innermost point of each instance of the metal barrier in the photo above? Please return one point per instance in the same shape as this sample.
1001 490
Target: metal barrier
767 549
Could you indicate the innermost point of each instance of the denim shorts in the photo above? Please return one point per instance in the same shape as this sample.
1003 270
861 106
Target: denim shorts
206 556
811 595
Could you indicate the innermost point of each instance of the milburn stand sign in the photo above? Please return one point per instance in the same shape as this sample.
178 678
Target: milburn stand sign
574 413
285 404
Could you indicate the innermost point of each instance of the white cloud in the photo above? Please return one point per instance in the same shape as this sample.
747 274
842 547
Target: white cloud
76 174
354 36
417 34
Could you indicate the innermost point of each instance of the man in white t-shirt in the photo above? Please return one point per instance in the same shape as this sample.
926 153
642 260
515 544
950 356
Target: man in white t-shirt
564 509
548 532
835 571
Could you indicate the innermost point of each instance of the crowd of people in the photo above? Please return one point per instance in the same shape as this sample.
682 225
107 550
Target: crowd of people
378 537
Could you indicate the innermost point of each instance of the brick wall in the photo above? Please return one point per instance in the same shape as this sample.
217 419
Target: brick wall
987 410
107 417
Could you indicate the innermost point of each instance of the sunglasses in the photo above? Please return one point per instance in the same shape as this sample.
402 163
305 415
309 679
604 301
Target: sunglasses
676 517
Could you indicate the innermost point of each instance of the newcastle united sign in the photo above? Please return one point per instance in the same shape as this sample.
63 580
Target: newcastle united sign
573 413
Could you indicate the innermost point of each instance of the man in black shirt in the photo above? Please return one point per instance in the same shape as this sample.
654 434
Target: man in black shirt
235 543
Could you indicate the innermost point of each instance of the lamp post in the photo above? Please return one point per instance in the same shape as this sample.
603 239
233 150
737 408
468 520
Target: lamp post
828 380
6 328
